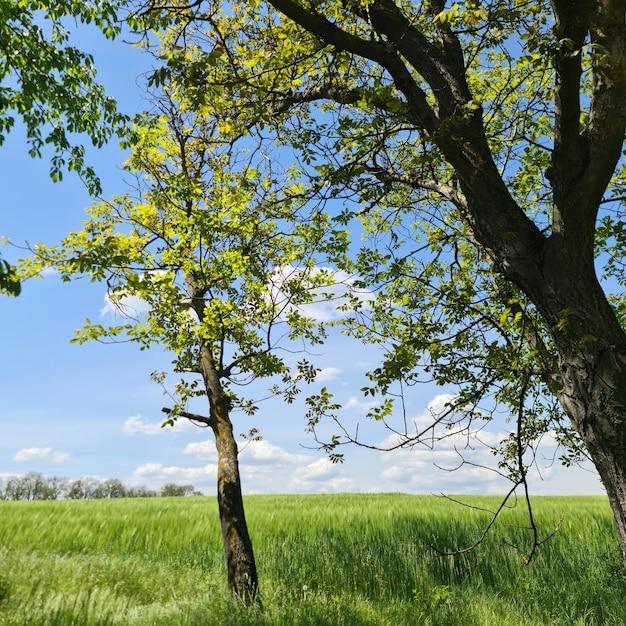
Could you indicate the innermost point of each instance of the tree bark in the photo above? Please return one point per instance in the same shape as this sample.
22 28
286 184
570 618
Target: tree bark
593 395
610 461
238 552
592 388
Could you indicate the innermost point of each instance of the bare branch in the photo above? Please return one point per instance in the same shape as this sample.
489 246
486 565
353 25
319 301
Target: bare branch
193 417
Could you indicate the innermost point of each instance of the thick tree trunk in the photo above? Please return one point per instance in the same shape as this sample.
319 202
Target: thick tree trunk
591 383
238 552
611 465
594 395
599 415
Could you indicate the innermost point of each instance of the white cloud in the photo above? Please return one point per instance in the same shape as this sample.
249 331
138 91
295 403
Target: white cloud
48 271
201 449
436 408
358 405
444 434
445 459
416 471
327 373
136 425
270 468
172 473
439 404
277 470
264 453
321 468
265 468
131 306
448 457
126 306
321 476
44 455
250 453
327 301
318 476
454 460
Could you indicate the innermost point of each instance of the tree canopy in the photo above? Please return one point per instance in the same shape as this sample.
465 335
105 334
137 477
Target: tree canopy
477 146
221 267
50 86
207 227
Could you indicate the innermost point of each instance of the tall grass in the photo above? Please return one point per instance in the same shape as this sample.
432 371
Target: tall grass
344 559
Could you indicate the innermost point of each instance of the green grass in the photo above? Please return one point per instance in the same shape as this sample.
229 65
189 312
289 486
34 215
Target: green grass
344 559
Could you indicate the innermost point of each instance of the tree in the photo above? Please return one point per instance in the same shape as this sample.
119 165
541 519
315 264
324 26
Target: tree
55 488
35 486
224 271
111 488
83 488
172 489
51 86
489 136
30 486
140 492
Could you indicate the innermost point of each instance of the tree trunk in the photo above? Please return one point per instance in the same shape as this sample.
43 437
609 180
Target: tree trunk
593 393
600 418
591 383
238 552
611 465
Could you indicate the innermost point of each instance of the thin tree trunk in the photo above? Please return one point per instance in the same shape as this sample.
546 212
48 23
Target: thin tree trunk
238 552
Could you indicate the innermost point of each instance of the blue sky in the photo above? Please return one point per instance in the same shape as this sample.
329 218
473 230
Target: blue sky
92 410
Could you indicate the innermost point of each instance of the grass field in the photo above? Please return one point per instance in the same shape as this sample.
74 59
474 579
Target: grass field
337 559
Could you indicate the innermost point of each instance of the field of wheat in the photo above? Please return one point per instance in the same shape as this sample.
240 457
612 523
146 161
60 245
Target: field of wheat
327 559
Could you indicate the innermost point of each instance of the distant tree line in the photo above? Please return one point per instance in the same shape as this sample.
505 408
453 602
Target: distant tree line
36 486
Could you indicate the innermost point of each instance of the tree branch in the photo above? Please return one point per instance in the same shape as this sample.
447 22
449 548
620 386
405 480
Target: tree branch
194 417
380 53
442 68
444 189
585 162
607 117
498 222
346 95
570 147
